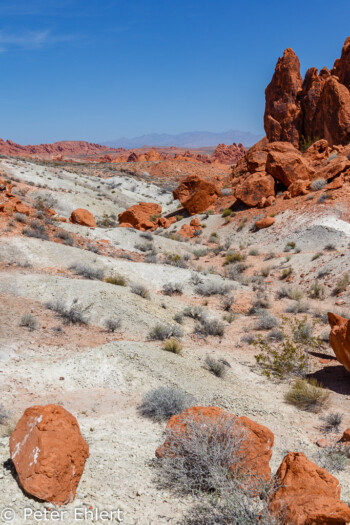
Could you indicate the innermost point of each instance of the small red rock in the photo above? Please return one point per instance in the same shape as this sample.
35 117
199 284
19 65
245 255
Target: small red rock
83 217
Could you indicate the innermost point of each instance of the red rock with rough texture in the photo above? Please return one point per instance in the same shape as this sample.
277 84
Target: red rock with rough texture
265 222
259 443
339 338
254 188
346 436
307 494
139 216
189 230
228 154
49 453
334 167
196 194
283 116
318 107
83 217
299 187
287 165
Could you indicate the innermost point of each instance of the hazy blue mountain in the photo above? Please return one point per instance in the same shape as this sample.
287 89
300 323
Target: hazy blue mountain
194 139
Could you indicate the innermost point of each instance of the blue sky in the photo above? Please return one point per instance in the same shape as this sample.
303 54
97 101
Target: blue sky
100 69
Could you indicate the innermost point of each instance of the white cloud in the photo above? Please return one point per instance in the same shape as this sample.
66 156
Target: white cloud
30 39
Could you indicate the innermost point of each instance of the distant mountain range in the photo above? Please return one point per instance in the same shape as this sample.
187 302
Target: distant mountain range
194 139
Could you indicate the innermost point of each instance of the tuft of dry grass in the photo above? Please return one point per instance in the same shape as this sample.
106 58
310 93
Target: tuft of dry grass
307 394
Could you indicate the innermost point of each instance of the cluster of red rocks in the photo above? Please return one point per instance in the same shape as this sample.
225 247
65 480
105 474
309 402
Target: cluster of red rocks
318 106
277 166
304 494
9 203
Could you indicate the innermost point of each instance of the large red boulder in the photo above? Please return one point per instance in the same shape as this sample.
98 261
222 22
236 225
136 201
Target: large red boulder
196 194
83 217
339 338
49 453
283 116
333 168
254 188
257 447
286 164
265 222
139 216
307 494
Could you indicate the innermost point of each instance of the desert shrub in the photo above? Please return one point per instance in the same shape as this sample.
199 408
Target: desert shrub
226 213
297 307
342 284
332 422
160 332
92 248
307 394
29 321
196 278
216 367
210 326
306 142
269 256
172 345
213 288
44 202
302 331
112 325
288 358
200 252
162 403
335 458
36 233
287 272
173 288
150 258
226 191
65 237
316 256
20 217
227 302
144 247
330 247
72 314
318 184
324 197
107 221
179 317
266 321
146 235
317 291
229 317
234 271
233 257
117 279
276 335
259 302
265 271
294 293
87 271
174 259
4 415
254 252
141 290
195 312
204 456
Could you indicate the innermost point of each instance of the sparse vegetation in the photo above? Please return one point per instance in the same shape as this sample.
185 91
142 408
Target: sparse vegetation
342 284
210 326
266 321
213 288
317 291
112 325
72 314
162 403
87 271
173 345
307 394
141 290
318 184
117 279
332 422
160 332
173 289
29 321
216 367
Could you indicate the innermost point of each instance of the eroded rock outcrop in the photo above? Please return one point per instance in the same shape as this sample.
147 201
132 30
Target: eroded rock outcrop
196 194
339 338
228 154
49 453
319 106
189 230
254 188
286 164
257 447
139 216
307 494
83 217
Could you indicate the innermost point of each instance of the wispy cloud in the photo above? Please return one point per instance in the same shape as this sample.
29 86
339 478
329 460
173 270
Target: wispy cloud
31 39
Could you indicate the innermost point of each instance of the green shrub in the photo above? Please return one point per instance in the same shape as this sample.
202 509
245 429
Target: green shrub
307 394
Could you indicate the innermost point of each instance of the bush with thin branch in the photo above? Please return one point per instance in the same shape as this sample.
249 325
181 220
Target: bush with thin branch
160 332
213 288
112 325
342 284
318 184
210 326
332 422
266 321
87 271
216 367
141 290
173 345
173 289
29 321
72 314
307 394
162 403
117 279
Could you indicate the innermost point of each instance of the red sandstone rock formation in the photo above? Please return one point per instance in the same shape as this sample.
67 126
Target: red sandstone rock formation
339 338
49 453
196 194
83 217
189 230
265 222
254 188
228 154
259 439
307 494
319 106
139 216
